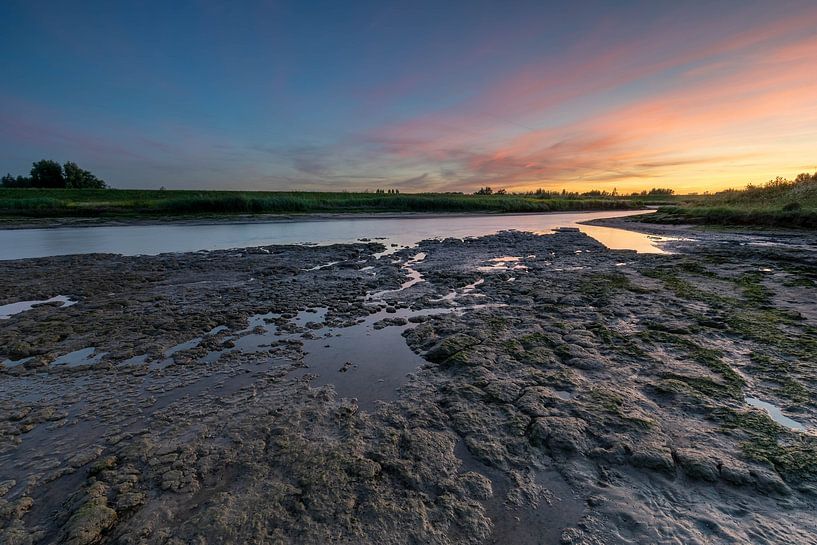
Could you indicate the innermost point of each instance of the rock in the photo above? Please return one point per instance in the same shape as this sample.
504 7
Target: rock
585 364
476 485
659 459
450 346
92 519
769 482
560 434
697 466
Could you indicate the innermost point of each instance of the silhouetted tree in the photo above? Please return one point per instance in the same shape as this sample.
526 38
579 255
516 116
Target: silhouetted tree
484 191
10 181
78 178
47 173
50 174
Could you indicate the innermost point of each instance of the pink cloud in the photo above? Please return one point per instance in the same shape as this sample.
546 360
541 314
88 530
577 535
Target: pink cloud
715 103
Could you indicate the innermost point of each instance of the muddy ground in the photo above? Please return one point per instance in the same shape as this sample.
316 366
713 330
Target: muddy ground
508 389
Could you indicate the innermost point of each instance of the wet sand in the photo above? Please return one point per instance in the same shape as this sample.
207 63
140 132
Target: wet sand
513 388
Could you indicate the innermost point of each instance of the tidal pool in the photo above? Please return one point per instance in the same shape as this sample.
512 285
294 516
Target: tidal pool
775 413
7 311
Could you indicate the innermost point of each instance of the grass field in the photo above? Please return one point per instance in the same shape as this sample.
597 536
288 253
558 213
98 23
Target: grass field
778 203
121 202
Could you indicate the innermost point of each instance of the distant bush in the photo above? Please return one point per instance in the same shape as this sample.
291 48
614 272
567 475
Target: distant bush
777 192
777 203
12 182
50 174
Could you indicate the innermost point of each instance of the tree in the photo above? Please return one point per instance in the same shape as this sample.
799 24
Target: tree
78 178
47 173
10 181
501 192
484 191
50 174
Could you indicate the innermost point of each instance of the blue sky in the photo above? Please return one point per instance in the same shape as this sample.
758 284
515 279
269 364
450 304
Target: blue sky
414 95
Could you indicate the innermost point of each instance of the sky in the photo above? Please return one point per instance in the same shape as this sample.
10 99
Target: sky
416 96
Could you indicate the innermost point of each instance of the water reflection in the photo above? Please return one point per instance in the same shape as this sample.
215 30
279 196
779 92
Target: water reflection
400 231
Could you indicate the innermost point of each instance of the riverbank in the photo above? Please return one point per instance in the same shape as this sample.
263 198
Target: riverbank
778 204
135 204
511 388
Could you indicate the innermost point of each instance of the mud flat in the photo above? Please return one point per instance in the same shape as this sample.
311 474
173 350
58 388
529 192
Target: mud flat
513 388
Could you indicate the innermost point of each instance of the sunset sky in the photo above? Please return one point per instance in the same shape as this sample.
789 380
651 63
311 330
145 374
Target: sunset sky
419 96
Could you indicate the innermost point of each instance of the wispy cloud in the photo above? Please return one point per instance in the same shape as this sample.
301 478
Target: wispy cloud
666 117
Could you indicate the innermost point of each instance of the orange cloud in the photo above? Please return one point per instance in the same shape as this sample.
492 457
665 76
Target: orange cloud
737 108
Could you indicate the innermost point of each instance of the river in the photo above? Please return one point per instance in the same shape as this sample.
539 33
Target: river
402 231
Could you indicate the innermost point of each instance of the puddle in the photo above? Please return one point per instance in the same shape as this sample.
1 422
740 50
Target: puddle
324 266
365 362
563 394
414 275
261 320
7 311
310 316
15 363
466 290
775 413
504 263
262 331
84 356
167 356
473 286
187 345
134 360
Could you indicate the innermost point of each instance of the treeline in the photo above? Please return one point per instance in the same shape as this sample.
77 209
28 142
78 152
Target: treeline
550 194
49 174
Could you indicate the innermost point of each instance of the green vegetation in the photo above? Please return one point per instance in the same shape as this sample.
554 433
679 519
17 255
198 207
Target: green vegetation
794 456
601 287
684 289
611 403
96 203
786 346
778 203
732 383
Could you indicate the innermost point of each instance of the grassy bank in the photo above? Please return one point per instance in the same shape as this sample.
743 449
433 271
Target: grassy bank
778 203
117 202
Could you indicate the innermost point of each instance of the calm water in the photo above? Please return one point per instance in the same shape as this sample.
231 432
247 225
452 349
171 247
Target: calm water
404 231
